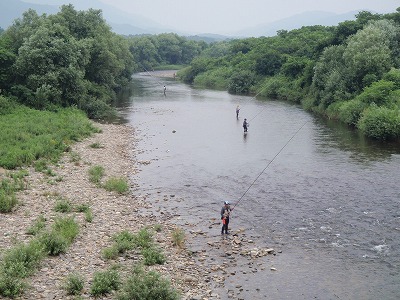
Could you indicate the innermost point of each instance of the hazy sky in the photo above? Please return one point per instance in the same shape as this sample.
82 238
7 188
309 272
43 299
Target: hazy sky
224 16
227 16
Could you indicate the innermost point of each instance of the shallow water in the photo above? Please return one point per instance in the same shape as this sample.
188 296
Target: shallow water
320 193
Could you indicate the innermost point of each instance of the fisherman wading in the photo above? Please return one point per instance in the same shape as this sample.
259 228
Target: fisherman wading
225 212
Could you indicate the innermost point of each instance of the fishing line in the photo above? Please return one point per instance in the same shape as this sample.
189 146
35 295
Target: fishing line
157 80
276 155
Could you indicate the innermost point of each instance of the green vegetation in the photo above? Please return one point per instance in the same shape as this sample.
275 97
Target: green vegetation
64 231
105 282
73 284
143 240
349 72
95 174
96 145
147 286
63 205
119 185
8 187
30 135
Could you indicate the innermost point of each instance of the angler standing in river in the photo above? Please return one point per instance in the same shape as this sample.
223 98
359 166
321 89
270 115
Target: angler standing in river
225 212
245 125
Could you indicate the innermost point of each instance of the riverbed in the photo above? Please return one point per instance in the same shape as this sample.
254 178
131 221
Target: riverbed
325 198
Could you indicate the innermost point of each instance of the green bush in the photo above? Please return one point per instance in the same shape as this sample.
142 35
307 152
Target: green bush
54 243
105 282
380 123
147 286
89 216
143 239
350 111
110 252
153 256
63 206
8 201
241 82
119 185
124 241
95 174
73 284
66 227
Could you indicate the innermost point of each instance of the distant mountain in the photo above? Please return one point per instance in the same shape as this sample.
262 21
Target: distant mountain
13 9
309 18
120 21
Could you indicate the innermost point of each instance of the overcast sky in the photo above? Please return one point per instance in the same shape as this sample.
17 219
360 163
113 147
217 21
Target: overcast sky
226 16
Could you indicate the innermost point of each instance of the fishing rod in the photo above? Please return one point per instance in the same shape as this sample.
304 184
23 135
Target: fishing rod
157 80
276 155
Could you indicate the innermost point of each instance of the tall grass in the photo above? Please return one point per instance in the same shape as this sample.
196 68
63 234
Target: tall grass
27 135
8 188
146 285
119 185
95 174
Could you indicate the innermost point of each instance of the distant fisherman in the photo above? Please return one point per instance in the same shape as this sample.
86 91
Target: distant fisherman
165 89
245 125
225 212
237 111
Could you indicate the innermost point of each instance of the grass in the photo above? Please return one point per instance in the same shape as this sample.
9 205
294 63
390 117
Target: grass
18 263
119 185
28 135
96 173
143 240
146 285
178 238
96 145
63 205
105 282
73 284
8 187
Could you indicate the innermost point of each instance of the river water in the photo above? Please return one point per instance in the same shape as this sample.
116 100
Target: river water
323 196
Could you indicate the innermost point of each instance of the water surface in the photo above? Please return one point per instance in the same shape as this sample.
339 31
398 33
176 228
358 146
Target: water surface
317 191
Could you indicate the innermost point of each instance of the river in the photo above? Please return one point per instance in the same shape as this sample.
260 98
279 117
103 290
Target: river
324 196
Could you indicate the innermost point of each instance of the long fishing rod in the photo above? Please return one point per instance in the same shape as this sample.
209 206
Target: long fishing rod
157 80
276 155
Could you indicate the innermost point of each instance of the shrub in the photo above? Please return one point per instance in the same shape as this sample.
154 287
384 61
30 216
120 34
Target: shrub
73 284
380 123
350 111
119 185
143 239
54 243
63 206
7 201
88 216
110 252
95 174
147 286
153 256
66 227
124 241
105 282
241 82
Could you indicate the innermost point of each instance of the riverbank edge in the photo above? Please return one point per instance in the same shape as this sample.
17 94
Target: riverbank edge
112 213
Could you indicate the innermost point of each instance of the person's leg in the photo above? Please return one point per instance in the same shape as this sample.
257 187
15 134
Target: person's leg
226 225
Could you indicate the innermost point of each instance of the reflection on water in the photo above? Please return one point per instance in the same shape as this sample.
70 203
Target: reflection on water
328 197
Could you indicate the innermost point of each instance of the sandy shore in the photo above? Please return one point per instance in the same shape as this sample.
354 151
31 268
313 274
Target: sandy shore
190 270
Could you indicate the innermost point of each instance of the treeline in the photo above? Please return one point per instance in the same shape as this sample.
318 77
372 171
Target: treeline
73 58
348 72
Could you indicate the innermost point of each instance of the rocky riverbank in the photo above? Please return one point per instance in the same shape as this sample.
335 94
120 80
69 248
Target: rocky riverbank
193 270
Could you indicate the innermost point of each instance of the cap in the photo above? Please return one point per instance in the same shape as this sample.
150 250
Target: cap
226 202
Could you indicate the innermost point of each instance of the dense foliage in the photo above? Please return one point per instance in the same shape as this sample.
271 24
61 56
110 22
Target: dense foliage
349 72
70 58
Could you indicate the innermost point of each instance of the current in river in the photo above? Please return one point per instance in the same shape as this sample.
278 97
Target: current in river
318 191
